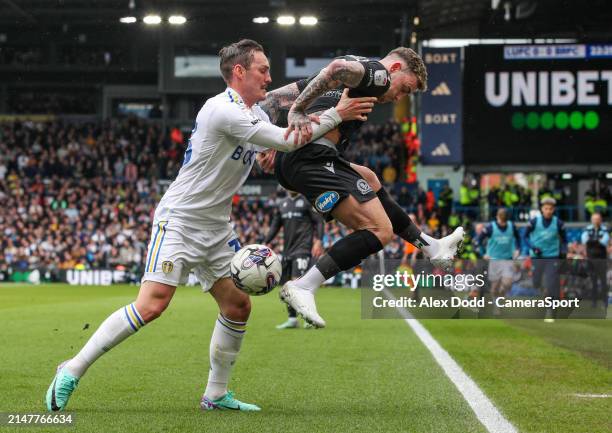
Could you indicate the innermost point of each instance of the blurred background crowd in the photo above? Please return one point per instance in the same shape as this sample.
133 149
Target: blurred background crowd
82 195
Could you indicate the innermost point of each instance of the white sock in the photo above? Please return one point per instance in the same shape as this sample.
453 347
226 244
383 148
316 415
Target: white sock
311 280
433 247
116 328
224 347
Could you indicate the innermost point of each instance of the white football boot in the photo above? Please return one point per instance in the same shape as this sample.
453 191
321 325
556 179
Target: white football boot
303 302
447 250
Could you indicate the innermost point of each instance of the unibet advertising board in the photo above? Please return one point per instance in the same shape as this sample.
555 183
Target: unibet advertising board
538 104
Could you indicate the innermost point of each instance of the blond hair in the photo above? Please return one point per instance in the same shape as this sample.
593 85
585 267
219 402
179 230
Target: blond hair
414 64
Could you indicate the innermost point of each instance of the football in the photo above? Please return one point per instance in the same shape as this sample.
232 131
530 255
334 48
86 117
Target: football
256 269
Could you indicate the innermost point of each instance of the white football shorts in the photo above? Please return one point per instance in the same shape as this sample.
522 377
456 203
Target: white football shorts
174 252
501 269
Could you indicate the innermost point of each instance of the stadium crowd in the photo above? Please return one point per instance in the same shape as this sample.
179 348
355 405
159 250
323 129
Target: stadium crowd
80 196
381 148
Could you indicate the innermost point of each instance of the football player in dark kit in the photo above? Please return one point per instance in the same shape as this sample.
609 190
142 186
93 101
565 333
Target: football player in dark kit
302 232
348 192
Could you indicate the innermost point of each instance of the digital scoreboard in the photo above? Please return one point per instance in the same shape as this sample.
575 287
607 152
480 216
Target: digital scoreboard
538 104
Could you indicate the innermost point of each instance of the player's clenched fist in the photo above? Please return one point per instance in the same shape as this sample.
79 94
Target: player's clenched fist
265 160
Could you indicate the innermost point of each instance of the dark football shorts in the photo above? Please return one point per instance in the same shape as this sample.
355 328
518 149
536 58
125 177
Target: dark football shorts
546 275
322 176
295 267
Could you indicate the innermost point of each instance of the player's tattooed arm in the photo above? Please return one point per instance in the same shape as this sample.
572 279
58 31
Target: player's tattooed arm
339 72
278 100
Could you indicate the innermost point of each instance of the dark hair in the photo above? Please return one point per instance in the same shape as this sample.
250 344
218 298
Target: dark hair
238 53
414 63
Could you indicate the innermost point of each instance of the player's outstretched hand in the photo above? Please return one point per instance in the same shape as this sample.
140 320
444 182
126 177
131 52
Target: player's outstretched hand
354 108
266 160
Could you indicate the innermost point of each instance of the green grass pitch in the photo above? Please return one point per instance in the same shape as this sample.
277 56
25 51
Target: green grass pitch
354 376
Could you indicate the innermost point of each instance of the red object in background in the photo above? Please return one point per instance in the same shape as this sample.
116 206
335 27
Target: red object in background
413 148
173 153
411 174
235 199
176 136
430 200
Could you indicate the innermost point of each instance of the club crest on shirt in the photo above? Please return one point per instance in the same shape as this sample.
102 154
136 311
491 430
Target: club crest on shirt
363 187
167 266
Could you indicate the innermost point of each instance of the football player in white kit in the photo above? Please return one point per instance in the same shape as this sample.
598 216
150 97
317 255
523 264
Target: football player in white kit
191 228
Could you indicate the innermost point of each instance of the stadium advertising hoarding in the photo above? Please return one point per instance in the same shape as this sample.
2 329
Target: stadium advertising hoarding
538 104
106 277
441 106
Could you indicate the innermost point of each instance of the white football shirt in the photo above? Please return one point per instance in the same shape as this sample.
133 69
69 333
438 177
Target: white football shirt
217 161
221 151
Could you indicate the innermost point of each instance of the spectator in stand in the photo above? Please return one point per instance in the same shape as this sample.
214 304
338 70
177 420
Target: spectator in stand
596 238
394 250
597 199
545 236
445 203
430 201
433 222
379 147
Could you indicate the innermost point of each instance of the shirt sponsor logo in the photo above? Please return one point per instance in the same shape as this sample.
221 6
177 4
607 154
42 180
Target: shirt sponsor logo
326 201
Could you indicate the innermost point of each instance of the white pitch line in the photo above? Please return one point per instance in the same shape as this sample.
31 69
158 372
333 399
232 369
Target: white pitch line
483 408
593 395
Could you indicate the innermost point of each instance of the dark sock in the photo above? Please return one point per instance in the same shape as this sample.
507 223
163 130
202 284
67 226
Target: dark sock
292 312
348 252
401 222
327 266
